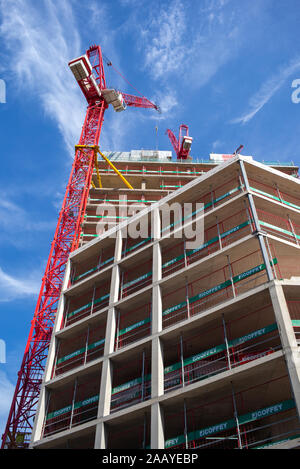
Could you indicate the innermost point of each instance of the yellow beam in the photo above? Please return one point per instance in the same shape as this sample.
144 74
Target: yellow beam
96 149
97 169
115 170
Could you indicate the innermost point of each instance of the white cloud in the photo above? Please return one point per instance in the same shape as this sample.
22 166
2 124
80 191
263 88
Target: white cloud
267 91
12 288
6 394
191 45
14 218
167 101
165 49
40 42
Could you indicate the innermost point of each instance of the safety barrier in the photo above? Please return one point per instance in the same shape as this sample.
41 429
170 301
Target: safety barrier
222 357
225 435
274 194
215 360
92 307
128 394
130 283
192 172
91 271
195 304
282 227
71 415
210 200
79 357
130 245
216 237
235 285
128 333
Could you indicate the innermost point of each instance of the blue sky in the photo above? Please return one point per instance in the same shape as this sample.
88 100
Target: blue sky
224 67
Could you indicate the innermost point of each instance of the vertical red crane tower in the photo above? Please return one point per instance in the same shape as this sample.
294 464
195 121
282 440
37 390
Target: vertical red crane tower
89 73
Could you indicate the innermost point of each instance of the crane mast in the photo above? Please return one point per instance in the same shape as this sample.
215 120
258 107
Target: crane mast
89 73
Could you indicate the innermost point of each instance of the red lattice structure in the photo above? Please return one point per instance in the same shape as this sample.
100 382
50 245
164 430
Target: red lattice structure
66 239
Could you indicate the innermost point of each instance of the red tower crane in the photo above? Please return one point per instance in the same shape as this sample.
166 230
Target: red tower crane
181 146
89 73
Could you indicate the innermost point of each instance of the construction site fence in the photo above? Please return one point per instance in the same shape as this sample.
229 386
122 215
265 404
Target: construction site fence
256 344
278 226
208 201
216 237
130 284
231 287
130 393
247 431
189 256
148 170
79 357
222 357
190 307
93 265
96 304
274 193
133 332
71 415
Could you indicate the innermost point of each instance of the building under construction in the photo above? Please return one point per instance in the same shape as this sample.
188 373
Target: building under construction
156 345
140 339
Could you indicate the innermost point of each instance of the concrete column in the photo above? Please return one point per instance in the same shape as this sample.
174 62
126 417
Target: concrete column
118 246
156 274
256 223
62 300
288 338
107 369
111 323
100 436
105 388
40 415
157 427
157 363
157 366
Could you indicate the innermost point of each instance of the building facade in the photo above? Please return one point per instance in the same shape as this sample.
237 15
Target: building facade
160 344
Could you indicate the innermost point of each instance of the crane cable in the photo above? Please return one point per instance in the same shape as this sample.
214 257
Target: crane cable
109 64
